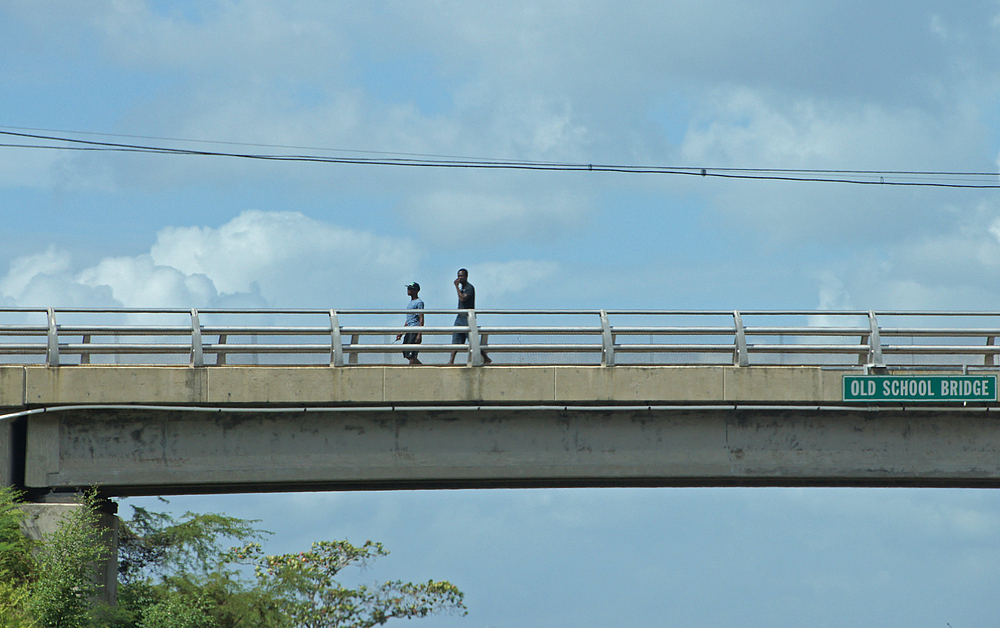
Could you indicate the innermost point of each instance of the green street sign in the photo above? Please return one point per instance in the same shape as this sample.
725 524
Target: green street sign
922 388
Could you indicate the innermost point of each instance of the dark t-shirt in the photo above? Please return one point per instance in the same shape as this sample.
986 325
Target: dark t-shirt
469 300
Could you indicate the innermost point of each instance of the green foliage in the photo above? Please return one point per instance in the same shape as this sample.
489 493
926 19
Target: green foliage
176 573
13 603
16 565
167 565
178 612
62 594
311 597
157 545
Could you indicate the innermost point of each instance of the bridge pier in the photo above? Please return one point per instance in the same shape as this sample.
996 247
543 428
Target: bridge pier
42 519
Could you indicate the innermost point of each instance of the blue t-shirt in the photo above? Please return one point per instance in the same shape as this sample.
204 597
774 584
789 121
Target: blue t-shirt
414 319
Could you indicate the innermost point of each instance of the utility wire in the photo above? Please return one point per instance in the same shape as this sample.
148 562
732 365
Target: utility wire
227 143
973 180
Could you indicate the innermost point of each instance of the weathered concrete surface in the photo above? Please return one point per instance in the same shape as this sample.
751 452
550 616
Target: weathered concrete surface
157 451
364 427
367 385
11 386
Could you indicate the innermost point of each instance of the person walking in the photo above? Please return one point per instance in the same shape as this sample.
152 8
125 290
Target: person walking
414 319
466 301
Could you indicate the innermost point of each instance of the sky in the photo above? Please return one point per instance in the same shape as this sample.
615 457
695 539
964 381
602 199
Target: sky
885 86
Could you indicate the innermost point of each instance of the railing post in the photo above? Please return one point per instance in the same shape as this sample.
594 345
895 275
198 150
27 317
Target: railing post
355 339
875 342
197 352
52 352
85 355
990 359
336 344
740 357
220 356
475 350
607 341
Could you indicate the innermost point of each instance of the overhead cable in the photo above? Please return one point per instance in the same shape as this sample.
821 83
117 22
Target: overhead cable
941 179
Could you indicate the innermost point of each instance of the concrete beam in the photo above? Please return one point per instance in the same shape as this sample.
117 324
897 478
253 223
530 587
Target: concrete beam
162 451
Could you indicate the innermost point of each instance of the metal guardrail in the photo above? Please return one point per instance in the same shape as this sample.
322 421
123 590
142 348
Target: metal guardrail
83 336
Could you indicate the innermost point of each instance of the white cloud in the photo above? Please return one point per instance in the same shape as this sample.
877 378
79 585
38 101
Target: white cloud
139 282
24 269
294 259
256 259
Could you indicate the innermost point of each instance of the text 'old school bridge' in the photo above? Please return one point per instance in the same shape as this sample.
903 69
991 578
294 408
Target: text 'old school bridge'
160 401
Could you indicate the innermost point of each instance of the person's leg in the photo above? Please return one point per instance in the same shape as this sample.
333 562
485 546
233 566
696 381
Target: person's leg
410 339
457 339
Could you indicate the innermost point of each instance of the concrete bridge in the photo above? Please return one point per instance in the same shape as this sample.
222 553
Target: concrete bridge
179 429
209 402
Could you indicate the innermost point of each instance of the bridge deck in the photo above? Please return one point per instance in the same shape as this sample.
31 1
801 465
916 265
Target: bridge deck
161 430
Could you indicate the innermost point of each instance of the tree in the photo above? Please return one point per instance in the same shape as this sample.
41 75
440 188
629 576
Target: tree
16 563
184 567
63 590
174 572
310 596
178 573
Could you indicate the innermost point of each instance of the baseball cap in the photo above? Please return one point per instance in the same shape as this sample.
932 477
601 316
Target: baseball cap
413 285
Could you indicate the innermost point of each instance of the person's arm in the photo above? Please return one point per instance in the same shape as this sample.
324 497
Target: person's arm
462 294
420 334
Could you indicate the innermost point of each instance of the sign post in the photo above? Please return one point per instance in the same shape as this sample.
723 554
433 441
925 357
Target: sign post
920 388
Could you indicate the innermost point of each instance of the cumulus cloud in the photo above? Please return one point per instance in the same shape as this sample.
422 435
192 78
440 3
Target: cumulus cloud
257 259
291 257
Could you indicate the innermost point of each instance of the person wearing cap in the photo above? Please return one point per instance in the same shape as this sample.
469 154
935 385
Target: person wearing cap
412 290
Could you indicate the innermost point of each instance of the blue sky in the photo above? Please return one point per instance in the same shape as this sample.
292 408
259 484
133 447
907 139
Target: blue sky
844 85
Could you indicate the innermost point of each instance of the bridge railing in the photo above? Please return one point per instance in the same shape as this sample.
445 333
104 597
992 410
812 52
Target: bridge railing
210 337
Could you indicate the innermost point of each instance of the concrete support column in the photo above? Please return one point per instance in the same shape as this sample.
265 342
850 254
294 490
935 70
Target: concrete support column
7 465
42 520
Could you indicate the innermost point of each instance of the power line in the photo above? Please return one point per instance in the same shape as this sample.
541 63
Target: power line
230 143
942 179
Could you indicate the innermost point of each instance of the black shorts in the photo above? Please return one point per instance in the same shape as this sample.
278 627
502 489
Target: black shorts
461 337
410 339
